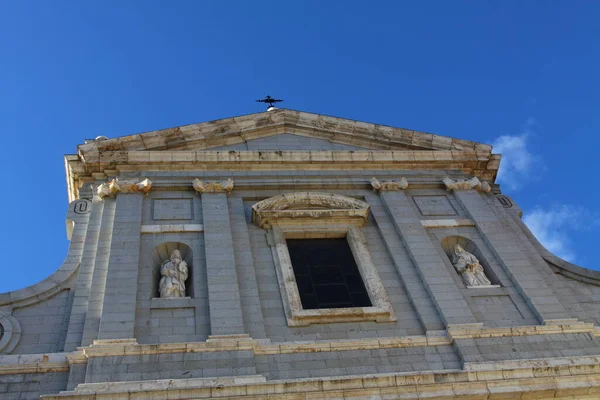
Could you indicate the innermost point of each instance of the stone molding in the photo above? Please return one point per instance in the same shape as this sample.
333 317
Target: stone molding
379 186
240 129
577 377
225 186
467 184
110 189
304 208
470 162
474 332
28 363
170 228
34 363
446 223
11 333
381 309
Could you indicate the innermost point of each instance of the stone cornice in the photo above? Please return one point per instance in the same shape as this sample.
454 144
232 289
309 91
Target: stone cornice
545 379
33 363
110 163
236 130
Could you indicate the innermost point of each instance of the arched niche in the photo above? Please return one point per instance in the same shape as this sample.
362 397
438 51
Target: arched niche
162 253
448 244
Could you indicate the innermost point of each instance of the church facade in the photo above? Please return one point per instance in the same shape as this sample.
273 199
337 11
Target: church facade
298 256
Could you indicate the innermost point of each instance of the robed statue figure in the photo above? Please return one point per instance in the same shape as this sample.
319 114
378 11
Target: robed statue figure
174 272
469 268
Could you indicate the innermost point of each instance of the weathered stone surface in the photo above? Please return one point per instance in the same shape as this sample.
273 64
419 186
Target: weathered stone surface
98 328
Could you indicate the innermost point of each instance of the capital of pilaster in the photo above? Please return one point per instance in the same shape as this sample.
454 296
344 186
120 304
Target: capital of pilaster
466 184
110 189
382 186
224 186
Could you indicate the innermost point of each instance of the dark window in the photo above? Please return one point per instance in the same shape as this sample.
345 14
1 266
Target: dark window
327 274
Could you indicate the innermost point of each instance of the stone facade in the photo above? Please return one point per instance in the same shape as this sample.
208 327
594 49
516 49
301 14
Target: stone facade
225 197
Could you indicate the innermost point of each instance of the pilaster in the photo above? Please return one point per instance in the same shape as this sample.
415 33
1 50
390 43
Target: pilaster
446 296
84 277
118 314
543 302
251 307
98 286
408 272
223 288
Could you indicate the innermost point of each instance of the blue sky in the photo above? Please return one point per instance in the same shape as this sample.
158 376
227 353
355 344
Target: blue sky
521 75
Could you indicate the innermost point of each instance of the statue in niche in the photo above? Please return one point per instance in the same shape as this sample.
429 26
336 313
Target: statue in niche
174 272
469 268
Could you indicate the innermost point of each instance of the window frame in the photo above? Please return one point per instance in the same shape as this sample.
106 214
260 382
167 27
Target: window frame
381 309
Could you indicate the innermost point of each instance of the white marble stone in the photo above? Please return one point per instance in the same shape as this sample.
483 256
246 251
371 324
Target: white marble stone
388 185
201 186
469 268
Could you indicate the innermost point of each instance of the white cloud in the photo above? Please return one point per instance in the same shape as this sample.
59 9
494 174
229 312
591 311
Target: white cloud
552 226
518 162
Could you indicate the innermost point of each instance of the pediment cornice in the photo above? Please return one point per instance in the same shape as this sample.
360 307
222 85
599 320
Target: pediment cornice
228 131
193 147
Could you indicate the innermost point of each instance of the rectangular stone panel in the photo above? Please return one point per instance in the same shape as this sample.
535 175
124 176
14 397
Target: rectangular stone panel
434 205
179 209
499 309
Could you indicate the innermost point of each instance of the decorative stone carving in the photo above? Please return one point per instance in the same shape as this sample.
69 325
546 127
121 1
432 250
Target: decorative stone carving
379 186
485 187
115 186
10 333
466 184
174 273
201 186
469 268
306 207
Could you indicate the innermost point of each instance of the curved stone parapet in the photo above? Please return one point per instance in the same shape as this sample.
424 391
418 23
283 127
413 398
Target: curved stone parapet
77 220
561 266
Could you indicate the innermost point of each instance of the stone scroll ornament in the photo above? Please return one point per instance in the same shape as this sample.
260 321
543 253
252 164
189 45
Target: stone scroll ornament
115 186
174 273
466 184
379 186
201 186
469 268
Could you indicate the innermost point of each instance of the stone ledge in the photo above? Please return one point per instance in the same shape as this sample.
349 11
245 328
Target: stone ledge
446 223
175 302
263 347
172 228
33 363
458 332
446 384
164 384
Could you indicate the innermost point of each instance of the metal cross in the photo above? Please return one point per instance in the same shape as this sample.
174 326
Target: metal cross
269 100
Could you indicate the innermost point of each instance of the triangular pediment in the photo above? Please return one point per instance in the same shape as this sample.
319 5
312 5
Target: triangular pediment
281 126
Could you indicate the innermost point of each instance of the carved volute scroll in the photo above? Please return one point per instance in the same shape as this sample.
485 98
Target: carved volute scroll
379 186
115 186
225 186
466 184
304 207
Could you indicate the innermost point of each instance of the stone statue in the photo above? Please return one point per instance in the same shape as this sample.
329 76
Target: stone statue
174 272
469 268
